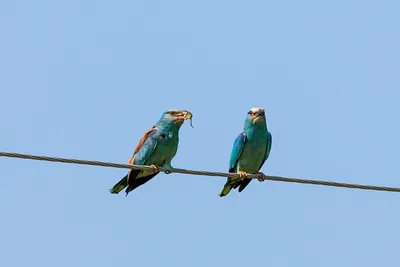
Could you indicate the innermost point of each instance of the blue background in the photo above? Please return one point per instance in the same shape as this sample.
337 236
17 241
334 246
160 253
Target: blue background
86 79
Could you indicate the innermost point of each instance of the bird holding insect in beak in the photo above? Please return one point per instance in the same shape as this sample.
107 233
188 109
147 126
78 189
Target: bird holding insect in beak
250 150
157 148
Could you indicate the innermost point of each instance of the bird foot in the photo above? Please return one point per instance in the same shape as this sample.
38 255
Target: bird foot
261 176
155 168
167 168
242 175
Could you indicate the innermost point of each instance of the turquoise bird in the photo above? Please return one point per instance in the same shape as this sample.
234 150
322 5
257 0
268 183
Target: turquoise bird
250 150
157 148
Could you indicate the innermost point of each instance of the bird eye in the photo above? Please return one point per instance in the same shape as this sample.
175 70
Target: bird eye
250 113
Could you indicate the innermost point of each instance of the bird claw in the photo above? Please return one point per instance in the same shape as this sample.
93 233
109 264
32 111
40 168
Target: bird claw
167 168
242 175
155 168
261 176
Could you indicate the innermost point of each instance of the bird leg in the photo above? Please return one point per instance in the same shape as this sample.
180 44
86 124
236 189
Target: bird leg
242 175
261 176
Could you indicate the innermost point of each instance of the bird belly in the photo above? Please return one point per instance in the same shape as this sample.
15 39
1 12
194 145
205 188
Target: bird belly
251 158
164 152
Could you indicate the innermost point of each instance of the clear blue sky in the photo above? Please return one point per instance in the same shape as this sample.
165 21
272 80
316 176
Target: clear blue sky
86 79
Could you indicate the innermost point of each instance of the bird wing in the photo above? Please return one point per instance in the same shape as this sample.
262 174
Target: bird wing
145 148
268 149
236 151
143 151
233 161
148 147
140 144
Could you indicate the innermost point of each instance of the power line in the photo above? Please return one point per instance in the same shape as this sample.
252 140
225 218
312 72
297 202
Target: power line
206 173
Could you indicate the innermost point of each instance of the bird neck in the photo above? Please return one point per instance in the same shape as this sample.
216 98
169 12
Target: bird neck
251 129
167 126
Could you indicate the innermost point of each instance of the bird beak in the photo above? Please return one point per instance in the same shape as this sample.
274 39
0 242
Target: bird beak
260 114
187 115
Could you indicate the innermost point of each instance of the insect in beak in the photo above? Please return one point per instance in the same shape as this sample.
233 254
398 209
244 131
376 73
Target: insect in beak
189 116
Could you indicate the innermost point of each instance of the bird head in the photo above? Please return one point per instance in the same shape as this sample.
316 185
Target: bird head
256 115
176 117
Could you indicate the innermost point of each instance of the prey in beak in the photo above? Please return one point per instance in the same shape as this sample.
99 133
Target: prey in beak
188 116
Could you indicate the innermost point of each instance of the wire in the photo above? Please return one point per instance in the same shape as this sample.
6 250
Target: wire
206 173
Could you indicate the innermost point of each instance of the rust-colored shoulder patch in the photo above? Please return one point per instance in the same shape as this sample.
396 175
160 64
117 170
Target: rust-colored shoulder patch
131 160
144 138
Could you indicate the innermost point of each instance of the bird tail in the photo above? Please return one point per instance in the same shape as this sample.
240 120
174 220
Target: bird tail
134 182
227 188
243 184
119 186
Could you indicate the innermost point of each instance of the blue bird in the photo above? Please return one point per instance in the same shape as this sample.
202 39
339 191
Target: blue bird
157 148
250 150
